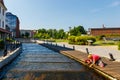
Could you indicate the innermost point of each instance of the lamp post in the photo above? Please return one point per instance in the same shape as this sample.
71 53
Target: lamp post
69 30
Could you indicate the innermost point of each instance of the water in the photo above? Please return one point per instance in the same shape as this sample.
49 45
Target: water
39 63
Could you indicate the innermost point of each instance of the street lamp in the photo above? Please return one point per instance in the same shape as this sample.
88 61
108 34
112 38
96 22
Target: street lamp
69 30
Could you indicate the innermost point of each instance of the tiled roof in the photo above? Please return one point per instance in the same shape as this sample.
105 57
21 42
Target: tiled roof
2 2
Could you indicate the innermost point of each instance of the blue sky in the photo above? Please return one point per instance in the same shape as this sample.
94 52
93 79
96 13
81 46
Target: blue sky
62 14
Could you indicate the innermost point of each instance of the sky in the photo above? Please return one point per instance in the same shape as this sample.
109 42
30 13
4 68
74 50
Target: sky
62 14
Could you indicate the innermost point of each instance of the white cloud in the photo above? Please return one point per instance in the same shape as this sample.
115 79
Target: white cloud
97 10
115 4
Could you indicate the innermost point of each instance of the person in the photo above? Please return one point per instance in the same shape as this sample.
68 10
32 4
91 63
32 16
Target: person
94 59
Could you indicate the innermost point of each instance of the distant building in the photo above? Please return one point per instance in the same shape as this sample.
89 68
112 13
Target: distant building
104 31
12 22
3 32
29 32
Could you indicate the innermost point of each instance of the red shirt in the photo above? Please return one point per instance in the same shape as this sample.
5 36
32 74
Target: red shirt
95 57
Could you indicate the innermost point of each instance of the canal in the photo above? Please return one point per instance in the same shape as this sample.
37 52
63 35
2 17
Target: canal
39 63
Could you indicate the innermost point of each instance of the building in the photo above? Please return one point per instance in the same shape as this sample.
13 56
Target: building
12 22
29 33
104 31
3 32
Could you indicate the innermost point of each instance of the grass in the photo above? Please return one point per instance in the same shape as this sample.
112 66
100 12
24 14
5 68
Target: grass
61 40
100 43
107 43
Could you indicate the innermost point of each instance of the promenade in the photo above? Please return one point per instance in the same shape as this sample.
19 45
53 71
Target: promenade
111 70
103 51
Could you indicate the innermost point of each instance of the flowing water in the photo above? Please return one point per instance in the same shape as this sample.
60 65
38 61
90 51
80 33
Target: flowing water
39 63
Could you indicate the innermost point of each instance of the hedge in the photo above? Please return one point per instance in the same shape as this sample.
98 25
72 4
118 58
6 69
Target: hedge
119 45
81 40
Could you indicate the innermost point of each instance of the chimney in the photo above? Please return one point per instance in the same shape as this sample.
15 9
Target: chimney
103 26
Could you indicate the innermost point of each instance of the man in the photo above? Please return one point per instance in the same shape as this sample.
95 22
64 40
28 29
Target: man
93 59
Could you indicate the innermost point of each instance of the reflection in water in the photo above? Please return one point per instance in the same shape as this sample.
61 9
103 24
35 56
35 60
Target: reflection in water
52 76
39 63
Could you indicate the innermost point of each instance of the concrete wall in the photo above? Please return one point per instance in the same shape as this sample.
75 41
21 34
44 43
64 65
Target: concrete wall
10 57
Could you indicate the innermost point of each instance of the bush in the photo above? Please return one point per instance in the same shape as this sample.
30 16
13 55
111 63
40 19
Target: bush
9 39
71 39
2 44
119 46
81 40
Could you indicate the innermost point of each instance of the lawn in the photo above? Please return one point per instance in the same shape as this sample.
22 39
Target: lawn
106 43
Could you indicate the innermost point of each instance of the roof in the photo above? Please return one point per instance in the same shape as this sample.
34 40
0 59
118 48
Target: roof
4 31
105 28
2 2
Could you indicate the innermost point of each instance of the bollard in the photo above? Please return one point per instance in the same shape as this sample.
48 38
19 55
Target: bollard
56 44
111 57
5 52
87 51
73 47
64 45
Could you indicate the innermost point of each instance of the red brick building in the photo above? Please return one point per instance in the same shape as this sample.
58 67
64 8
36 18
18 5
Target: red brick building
17 28
104 31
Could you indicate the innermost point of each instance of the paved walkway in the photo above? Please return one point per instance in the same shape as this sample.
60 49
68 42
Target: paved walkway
100 50
110 71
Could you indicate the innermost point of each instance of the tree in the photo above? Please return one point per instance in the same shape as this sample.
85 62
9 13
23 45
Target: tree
27 34
61 34
77 31
51 33
22 35
81 29
42 30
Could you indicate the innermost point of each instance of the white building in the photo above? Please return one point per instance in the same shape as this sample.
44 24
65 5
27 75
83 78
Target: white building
24 32
3 32
2 14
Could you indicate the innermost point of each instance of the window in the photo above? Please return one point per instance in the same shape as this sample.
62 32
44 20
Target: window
3 12
3 24
0 10
0 22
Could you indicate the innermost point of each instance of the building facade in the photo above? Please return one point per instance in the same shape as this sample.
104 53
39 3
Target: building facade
104 31
2 14
30 33
3 32
12 22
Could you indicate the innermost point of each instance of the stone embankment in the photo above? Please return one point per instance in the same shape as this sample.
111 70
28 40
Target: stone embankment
9 57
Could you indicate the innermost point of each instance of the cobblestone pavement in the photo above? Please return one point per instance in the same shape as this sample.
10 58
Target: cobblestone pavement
100 50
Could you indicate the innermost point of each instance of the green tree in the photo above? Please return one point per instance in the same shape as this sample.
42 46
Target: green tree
77 31
27 34
61 34
22 35
42 30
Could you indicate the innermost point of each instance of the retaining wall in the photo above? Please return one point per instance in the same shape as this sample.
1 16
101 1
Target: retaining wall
7 59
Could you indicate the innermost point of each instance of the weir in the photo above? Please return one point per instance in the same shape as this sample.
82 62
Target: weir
39 63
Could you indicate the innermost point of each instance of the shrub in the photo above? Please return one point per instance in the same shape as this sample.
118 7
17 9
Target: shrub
9 39
81 40
71 39
119 45
2 44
